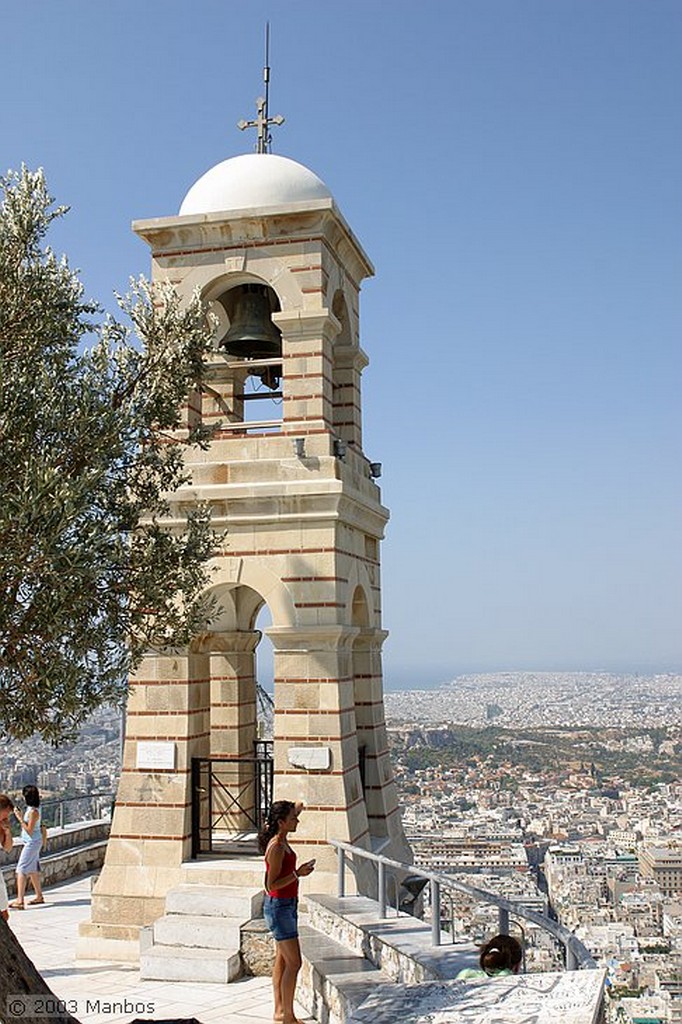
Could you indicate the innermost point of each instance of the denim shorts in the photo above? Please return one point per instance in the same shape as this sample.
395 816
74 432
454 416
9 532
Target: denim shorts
281 916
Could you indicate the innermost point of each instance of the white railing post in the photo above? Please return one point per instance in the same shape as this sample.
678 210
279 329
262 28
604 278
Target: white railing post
435 911
341 886
381 882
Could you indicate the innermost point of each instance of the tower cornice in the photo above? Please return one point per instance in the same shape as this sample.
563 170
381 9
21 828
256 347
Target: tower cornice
251 227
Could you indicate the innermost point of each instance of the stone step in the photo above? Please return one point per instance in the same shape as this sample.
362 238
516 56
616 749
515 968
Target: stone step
199 936
398 945
196 930
215 901
334 980
175 963
247 873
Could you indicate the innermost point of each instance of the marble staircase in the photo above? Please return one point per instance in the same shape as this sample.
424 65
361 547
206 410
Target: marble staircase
198 938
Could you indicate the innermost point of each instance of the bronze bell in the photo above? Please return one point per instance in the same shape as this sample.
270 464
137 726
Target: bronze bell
252 334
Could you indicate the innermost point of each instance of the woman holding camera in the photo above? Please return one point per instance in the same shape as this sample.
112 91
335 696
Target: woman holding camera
280 906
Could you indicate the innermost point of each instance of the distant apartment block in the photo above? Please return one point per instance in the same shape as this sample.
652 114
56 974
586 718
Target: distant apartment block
474 855
663 864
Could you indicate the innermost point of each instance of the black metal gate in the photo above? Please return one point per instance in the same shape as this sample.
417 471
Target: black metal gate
231 797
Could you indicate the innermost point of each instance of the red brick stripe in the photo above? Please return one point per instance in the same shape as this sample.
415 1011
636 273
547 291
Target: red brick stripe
146 835
313 711
329 679
314 579
319 604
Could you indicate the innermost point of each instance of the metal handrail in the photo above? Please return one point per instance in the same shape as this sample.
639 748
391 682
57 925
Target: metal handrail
97 800
578 955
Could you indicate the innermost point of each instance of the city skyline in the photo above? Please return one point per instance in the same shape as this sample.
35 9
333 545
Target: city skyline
575 812
513 172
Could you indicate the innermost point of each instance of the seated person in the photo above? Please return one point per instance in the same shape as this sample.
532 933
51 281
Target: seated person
499 956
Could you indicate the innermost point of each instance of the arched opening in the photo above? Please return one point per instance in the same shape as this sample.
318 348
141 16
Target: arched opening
361 668
265 675
359 609
245 392
340 311
232 787
345 377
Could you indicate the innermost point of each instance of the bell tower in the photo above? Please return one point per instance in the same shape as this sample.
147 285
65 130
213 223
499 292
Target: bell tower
297 505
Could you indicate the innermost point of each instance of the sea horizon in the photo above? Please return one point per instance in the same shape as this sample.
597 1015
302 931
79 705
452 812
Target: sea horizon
405 680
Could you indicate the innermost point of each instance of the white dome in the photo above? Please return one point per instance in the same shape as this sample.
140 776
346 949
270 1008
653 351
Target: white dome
255 179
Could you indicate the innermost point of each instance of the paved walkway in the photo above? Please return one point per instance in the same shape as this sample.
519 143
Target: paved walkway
101 992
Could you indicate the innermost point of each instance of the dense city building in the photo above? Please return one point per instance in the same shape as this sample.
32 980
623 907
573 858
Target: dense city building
582 777
556 821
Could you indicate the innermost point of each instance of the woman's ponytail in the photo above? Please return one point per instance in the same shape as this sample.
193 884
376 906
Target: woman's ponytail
278 812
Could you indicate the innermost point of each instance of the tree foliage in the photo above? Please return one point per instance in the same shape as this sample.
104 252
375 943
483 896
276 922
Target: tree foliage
92 570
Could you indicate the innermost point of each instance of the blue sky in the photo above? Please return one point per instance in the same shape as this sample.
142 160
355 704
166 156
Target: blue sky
514 169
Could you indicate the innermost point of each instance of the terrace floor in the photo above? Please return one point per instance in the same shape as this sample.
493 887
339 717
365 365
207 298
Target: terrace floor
101 992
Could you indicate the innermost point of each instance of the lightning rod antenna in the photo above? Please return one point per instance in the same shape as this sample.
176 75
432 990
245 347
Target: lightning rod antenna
263 121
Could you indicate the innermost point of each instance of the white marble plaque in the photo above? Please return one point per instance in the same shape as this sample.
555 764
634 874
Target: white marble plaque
571 997
311 758
156 755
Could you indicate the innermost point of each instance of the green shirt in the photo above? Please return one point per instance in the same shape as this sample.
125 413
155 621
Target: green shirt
477 972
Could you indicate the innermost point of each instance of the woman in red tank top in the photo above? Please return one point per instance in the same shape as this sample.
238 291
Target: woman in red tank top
280 906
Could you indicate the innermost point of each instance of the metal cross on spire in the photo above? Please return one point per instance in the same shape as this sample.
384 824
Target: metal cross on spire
263 121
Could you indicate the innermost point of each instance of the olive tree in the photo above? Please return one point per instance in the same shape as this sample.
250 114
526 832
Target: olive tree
91 445
92 440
